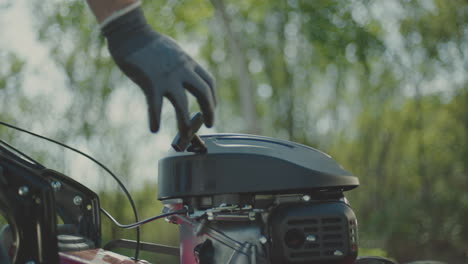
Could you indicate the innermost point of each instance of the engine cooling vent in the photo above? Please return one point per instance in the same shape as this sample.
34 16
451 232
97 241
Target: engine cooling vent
315 233
323 237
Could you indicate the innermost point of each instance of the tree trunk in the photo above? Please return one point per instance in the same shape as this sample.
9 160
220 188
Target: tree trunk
239 60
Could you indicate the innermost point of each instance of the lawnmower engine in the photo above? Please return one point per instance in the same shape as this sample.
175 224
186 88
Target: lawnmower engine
259 200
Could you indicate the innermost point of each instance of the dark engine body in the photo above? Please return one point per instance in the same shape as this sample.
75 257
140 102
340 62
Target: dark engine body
255 199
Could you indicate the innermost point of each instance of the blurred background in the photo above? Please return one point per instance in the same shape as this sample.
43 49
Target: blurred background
379 85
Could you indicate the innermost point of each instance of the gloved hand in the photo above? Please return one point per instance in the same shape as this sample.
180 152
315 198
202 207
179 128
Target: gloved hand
161 68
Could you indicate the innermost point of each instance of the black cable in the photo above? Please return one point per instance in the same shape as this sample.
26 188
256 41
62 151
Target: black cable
142 222
137 249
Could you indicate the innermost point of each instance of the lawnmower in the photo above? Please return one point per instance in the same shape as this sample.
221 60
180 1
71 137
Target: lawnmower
237 199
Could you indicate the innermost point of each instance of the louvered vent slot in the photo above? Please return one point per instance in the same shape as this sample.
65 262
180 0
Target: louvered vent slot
324 237
303 222
331 220
333 244
332 236
311 229
307 254
329 253
331 228
313 245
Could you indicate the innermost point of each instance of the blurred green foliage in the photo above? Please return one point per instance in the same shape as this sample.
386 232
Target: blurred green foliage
373 252
380 85
3 221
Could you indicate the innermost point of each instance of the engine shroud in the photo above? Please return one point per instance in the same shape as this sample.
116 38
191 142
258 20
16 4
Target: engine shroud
236 163
259 200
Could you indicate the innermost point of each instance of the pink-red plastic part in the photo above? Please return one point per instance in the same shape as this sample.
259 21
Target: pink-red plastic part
95 256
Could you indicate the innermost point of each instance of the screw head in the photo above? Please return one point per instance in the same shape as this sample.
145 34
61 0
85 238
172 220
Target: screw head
210 216
263 239
306 198
23 190
338 253
77 200
56 185
311 238
252 216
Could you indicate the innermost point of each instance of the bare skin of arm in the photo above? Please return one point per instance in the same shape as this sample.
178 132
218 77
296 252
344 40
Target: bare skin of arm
104 8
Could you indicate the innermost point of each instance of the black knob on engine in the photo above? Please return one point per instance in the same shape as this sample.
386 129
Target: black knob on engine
204 252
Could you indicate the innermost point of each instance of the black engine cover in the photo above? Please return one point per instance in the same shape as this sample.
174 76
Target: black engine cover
236 163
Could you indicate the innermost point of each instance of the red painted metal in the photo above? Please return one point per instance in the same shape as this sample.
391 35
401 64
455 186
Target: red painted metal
96 256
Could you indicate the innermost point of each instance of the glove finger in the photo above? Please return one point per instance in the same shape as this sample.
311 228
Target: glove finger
179 100
154 111
206 76
199 88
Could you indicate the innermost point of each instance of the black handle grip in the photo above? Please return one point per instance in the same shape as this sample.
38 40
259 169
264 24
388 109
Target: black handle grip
191 142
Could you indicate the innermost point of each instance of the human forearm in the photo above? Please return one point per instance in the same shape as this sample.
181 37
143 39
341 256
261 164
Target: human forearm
104 8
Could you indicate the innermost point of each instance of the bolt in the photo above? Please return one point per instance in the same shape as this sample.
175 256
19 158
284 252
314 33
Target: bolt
23 190
252 216
89 207
263 239
210 216
306 198
77 200
56 185
337 253
311 238
345 200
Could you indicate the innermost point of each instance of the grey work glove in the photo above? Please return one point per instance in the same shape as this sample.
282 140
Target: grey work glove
161 68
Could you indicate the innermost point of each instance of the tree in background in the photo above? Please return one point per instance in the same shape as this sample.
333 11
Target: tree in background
380 85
